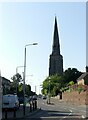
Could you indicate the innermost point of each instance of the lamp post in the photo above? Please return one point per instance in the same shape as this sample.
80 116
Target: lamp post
49 91
24 73
17 68
1 96
16 78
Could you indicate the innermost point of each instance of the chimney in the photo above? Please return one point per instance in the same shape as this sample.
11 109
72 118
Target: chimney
86 68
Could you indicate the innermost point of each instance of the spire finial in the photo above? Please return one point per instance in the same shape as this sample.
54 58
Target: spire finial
55 15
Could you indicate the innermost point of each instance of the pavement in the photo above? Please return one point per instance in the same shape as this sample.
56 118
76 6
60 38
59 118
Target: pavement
19 113
22 118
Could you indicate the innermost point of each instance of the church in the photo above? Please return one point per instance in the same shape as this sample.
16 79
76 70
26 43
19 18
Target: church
56 59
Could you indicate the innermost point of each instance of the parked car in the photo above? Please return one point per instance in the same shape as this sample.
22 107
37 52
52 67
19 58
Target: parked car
10 101
44 97
34 97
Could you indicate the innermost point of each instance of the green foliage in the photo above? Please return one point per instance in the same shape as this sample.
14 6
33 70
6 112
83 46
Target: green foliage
60 83
55 82
70 83
80 88
64 89
71 74
20 87
16 78
27 90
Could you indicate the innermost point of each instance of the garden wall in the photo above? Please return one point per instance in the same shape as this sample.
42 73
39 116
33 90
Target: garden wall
75 98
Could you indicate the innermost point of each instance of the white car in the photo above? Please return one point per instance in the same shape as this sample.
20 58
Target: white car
10 101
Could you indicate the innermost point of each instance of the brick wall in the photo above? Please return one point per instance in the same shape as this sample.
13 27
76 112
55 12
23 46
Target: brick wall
75 98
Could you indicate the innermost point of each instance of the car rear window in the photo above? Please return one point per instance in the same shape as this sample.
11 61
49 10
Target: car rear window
9 98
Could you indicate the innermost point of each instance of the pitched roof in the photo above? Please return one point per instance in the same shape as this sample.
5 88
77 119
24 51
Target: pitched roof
83 76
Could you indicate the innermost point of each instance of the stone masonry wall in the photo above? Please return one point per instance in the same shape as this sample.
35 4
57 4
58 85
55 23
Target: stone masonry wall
75 98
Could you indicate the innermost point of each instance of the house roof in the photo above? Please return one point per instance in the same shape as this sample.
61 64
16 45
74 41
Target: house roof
5 80
82 76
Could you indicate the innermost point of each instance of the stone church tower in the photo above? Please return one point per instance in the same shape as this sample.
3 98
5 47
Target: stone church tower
56 59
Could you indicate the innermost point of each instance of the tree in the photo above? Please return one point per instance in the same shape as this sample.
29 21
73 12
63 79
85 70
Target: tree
71 74
55 82
17 87
59 83
27 90
16 79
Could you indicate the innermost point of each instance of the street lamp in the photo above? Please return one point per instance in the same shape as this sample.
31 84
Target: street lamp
17 68
24 73
49 90
16 78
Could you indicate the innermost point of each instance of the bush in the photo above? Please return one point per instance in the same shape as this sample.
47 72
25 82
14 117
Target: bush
80 88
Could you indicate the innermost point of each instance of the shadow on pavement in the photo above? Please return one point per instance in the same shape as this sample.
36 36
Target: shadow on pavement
48 115
54 115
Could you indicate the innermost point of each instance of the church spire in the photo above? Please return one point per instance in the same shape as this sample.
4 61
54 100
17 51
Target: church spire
56 59
56 45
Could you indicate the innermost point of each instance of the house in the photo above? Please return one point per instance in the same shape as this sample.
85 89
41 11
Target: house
5 85
83 79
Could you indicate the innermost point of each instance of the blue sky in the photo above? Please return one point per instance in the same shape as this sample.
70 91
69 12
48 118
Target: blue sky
24 23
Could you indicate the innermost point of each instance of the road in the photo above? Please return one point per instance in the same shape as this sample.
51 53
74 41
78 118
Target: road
57 109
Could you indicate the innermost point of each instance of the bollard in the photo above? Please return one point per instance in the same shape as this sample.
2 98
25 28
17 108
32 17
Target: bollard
33 105
30 107
14 113
24 110
5 113
36 104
